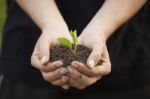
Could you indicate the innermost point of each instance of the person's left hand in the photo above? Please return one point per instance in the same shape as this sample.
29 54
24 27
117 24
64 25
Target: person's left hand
82 75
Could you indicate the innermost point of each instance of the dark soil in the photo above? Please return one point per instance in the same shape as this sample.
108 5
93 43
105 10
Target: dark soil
64 54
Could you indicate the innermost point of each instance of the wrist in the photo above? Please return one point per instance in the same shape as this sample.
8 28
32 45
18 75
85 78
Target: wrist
54 27
95 32
99 28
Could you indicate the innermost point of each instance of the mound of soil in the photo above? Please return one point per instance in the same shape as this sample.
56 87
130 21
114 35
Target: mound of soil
63 54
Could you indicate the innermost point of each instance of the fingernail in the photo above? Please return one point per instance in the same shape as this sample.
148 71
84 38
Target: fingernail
65 87
59 64
75 65
81 64
63 71
91 63
43 61
63 80
70 70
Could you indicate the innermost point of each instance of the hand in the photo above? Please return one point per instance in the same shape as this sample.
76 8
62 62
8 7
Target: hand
96 42
52 72
81 76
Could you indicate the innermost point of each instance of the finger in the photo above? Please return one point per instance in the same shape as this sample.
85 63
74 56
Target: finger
95 56
105 68
54 75
35 61
61 81
106 54
75 84
65 86
44 50
85 70
52 66
82 79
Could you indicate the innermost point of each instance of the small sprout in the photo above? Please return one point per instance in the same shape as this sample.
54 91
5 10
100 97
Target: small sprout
74 36
75 39
67 43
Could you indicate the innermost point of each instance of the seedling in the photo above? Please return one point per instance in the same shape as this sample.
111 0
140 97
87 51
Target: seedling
67 43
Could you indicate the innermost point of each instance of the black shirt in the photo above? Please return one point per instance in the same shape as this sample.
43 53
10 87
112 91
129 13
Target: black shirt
128 47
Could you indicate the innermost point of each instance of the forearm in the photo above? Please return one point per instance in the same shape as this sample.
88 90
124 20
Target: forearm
113 14
43 12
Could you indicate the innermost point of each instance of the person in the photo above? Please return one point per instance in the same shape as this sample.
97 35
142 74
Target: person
32 28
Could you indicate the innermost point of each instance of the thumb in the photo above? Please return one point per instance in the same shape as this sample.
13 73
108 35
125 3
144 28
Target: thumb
44 51
94 57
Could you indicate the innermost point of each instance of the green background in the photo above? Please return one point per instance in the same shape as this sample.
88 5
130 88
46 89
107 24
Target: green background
2 16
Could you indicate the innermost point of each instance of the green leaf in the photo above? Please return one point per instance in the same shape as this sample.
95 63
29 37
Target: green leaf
74 36
65 42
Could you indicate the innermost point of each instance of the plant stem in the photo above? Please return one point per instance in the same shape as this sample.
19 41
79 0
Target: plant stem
75 48
72 50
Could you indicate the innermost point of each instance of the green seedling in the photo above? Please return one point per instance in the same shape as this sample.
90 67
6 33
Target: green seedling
67 43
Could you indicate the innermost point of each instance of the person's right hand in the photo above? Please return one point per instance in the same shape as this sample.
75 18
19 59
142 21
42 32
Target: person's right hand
53 72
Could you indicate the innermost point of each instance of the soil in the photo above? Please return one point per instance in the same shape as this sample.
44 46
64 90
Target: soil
64 54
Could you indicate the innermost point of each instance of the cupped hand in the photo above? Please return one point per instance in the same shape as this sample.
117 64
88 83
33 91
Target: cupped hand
84 75
81 76
96 42
53 72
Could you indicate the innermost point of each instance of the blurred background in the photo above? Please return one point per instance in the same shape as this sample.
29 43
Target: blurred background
2 16
2 20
